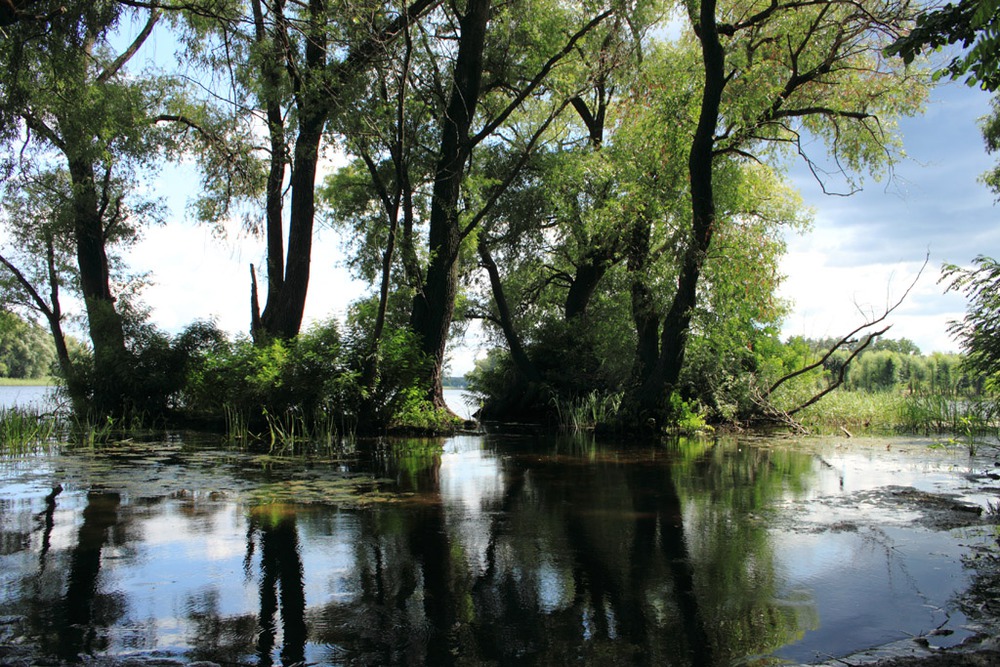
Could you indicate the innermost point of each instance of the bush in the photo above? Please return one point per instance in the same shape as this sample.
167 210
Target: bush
299 384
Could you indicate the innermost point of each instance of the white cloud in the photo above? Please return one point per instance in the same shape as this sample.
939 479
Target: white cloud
198 276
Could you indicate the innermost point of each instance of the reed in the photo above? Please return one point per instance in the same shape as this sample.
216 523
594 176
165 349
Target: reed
585 412
887 413
24 430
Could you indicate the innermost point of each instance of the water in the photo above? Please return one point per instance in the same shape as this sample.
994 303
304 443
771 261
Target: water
461 402
40 397
484 550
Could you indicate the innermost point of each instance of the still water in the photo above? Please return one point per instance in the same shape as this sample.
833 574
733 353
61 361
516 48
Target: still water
37 397
482 550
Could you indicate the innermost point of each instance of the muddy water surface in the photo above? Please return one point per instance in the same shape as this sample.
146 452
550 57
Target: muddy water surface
488 550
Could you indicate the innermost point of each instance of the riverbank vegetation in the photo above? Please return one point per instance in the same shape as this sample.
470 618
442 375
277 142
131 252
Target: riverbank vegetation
602 186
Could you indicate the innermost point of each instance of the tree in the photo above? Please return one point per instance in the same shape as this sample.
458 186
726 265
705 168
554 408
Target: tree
468 94
38 261
296 65
975 24
26 350
70 107
979 332
772 73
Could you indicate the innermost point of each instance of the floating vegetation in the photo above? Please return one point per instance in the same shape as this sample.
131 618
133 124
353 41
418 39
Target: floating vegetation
345 491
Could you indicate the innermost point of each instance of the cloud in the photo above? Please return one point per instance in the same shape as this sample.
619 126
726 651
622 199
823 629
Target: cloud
198 276
869 245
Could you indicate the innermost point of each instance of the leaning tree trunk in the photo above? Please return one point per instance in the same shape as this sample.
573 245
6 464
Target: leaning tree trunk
652 394
434 304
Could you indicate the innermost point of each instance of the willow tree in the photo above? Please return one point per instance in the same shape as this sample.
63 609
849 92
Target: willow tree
288 68
70 108
449 120
775 74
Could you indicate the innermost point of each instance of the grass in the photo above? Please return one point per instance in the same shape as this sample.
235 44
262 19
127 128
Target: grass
25 430
586 412
888 413
27 382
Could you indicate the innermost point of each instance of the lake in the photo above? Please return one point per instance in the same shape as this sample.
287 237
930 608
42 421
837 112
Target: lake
486 550
461 402
40 397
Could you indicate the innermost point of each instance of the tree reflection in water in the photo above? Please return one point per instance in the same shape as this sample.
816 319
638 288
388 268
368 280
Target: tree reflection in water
281 584
585 559
488 552
81 616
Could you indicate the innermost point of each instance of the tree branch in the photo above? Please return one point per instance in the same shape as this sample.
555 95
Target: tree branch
134 47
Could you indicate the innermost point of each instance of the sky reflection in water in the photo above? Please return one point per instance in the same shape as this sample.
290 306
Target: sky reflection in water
479 551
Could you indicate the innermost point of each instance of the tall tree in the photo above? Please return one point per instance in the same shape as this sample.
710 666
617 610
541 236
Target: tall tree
434 304
773 71
470 95
296 64
70 104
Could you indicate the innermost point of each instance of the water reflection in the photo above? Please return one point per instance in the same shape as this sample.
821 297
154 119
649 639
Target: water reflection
86 611
483 551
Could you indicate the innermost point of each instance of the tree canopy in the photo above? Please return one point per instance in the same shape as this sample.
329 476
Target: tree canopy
601 184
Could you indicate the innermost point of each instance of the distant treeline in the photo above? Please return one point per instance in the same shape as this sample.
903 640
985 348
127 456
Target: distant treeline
896 365
26 348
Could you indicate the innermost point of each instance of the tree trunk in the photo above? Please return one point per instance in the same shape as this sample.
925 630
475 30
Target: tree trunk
274 226
663 378
521 360
581 291
282 316
644 315
112 378
434 304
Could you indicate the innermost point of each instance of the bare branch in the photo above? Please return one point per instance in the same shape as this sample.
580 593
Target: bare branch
848 338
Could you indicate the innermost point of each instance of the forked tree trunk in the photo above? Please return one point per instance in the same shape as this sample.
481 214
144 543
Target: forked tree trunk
434 304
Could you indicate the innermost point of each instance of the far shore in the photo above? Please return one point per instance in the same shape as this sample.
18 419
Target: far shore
27 382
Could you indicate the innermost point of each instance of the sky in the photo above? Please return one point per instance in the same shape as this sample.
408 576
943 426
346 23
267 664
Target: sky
865 250
862 253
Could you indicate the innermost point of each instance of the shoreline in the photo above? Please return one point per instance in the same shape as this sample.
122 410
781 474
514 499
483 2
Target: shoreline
27 382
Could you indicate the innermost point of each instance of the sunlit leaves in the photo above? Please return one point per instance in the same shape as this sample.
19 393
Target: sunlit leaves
979 332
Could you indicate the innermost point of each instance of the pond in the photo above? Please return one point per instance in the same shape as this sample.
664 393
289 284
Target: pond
485 550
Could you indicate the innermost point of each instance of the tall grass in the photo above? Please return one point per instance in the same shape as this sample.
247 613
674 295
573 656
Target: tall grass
585 412
886 413
24 430
287 432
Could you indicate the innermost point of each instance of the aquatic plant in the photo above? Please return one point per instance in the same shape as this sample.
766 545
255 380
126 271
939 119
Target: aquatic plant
585 412
25 429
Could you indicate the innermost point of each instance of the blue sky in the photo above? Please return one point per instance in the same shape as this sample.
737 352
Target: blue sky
862 252
866 249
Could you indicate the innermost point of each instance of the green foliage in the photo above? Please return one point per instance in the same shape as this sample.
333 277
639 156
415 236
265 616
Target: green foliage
685 415
979 332
975 24
398 366
413 412
287 388
26 349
